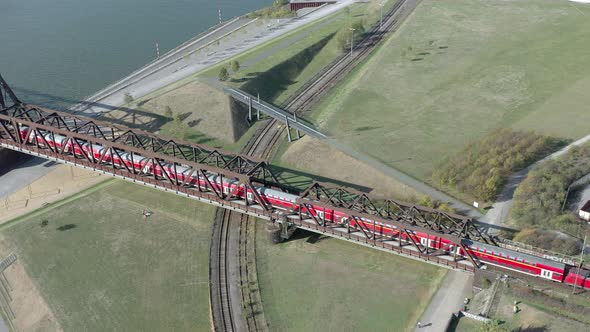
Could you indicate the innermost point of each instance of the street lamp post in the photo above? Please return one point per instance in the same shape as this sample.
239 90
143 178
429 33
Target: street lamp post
351 39
381 21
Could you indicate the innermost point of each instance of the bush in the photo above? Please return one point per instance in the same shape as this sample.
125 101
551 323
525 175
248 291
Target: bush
223 74
344 34
492 326
539 198
279 9
481 169
168 112
549 240
235 66
128 99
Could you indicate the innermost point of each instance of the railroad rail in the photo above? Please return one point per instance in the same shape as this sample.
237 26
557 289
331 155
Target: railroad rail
266 138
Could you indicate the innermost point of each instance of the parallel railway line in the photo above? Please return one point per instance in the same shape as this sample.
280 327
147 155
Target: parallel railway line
262 145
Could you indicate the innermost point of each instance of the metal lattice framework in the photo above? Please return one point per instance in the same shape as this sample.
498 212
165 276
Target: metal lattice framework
390 210
200 160
245 172
406 218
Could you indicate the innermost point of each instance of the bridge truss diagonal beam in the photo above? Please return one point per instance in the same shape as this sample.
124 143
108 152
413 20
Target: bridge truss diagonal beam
104 147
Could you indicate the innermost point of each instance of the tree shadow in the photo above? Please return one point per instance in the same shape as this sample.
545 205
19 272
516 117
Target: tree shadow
66 227
532 329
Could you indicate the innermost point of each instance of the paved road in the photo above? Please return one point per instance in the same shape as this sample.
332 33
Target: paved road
448 300
22 174
498 214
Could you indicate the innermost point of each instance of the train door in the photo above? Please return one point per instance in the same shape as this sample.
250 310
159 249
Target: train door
320 214
424 241
250 196
546 274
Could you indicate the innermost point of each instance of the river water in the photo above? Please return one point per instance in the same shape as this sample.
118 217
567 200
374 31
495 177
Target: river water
55 52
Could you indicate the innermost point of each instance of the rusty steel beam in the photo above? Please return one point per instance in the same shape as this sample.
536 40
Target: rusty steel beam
246 172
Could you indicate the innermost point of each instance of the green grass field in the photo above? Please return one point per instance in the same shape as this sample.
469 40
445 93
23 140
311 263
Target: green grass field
101 266
458 69
333 285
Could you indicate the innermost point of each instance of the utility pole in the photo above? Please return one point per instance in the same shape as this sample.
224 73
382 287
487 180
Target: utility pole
580 265
351 40
157 50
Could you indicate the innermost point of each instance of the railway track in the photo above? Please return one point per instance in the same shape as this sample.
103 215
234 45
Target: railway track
262 145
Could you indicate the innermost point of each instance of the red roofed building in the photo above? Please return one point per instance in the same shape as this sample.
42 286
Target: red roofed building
298 4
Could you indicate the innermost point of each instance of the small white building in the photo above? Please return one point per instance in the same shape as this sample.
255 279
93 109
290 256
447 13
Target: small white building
584 212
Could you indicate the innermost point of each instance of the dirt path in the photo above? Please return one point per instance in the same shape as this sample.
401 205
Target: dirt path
61 182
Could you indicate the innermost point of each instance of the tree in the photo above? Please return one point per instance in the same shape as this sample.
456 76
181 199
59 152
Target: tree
177 119
278 3
235 66
223 74
128 98
168 112
344 35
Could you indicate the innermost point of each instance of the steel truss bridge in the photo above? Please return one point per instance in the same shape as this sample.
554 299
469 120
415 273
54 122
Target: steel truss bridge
204 161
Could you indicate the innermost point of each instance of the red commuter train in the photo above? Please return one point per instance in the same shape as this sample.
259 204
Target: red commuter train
502 257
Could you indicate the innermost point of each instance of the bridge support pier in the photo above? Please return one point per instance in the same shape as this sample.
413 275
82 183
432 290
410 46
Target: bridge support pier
288 129
250 109
297 130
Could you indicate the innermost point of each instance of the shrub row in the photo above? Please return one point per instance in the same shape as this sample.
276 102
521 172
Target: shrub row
482 168
539 198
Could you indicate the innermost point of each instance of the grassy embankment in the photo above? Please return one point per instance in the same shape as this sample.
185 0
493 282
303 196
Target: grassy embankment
101 266
459 69
314 283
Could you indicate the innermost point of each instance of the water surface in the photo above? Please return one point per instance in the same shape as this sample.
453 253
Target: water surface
54 52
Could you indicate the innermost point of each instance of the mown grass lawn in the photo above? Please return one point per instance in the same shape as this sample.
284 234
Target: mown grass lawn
101 266
460 68
333 285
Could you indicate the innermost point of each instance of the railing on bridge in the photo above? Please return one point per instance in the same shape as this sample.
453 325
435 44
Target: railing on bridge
42 126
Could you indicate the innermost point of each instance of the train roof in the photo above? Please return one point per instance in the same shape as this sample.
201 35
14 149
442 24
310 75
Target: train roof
517 254
276 193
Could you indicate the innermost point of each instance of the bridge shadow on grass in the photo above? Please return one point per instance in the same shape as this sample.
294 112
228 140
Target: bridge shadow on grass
299 180
126 116
277 79
308 236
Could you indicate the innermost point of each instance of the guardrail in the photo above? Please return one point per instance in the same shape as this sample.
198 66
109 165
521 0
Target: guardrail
278 113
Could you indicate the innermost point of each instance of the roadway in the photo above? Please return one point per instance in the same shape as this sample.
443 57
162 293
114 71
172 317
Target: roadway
448 299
